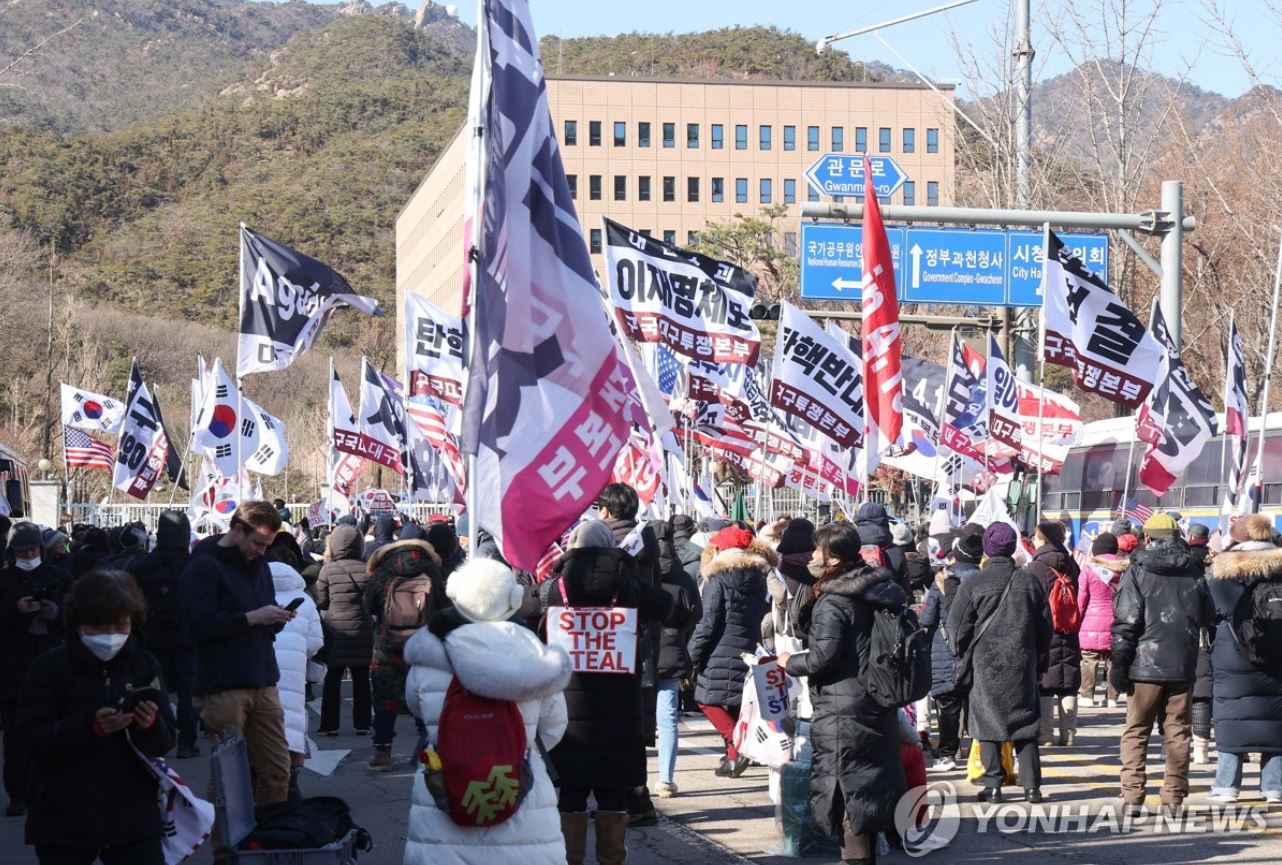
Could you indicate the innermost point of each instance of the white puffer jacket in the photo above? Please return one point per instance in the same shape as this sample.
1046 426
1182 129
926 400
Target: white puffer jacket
295 644
501 661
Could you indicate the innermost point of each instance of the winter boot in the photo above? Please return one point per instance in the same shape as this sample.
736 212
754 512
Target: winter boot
381 761
575 829
640 809
295 793
1201 750
611 837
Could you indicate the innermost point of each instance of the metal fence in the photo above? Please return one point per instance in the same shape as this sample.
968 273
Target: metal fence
110 515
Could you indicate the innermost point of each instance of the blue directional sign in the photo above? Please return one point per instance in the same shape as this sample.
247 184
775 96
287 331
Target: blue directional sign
1026 249
832 260
943 264
843 174
958 266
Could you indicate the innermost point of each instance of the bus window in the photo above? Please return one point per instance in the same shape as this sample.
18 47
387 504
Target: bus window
1272 492
1202 496
1096 500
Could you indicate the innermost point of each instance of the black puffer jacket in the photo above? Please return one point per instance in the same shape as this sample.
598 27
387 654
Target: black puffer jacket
88 790
384 534
856 766
23 636
349 633
157 576
604 743
1158 611
734 603
674 652
1005 702
873 524
1248 700
1064 660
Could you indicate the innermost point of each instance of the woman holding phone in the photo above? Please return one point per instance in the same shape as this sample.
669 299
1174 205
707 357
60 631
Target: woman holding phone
84 708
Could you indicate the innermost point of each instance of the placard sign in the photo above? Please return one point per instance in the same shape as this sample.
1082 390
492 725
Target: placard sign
597 639
773 686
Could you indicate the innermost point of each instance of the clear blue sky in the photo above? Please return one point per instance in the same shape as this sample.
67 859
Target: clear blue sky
1182 41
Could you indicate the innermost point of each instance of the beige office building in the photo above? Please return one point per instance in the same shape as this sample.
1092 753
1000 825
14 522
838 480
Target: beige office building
667 157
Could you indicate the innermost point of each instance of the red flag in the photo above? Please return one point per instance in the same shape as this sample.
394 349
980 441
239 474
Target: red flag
883 371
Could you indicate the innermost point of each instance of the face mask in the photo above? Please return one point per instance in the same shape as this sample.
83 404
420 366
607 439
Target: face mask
104 646
27 564
817 569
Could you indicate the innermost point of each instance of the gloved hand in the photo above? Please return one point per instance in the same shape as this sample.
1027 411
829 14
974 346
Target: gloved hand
1120 679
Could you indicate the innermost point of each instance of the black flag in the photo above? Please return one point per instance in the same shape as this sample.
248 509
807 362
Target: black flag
285 299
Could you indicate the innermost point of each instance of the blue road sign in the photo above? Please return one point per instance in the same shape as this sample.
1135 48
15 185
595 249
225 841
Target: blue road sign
843 174
832 260
1026 248
943 264
958 266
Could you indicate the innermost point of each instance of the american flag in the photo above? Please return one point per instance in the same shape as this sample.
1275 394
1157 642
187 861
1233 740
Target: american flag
83 451
1133 510
669 369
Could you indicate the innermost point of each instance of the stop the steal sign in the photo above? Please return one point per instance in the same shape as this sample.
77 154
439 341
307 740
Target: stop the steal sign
597 639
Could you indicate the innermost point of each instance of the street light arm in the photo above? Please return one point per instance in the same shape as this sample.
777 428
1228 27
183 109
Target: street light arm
822 45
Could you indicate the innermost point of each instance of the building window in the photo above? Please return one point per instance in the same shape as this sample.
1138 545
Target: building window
594 133
838 139
643 134
572 180
861 139
692 237
718 189
910 192
932 193
620 187
645 232
620 134
643 188
718 136
789 191
595 238
571 133
740 137
812 138
767 190
692 136
932 140
883 139
669 188
811 195
669 135
741 190
790 243
594 187
764 137
670 237
910 140
692 189
790 138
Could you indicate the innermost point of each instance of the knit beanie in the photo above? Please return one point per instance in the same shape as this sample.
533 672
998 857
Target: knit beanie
593 533
798 537
731 538
485 590
1000 540
1127 543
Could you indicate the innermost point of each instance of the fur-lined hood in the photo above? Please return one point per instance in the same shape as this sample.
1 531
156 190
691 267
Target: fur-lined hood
1110 562
383 553
757 556
1248 561
497 660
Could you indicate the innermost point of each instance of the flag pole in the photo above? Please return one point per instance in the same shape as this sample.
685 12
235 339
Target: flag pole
1041 408
474 262
240 396
329 446
939 415
1257 499
1228 387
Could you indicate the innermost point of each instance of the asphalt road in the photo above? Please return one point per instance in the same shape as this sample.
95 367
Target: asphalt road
718 821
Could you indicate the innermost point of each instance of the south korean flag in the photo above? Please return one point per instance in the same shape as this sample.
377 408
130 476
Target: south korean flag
272 454
84 410
227 429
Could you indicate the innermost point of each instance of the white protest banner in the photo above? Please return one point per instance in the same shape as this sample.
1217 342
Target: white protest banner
817 379
144 447
1090 331
597 639
434 350
376 501
696 305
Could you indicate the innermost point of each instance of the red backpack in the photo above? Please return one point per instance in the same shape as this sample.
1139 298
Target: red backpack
483 772
1065 617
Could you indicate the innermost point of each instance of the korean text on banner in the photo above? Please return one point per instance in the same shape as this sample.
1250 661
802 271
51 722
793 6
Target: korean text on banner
680 298
817 379
434 351
597 639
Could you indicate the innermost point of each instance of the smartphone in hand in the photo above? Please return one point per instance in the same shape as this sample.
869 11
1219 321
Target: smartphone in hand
134 696
294 604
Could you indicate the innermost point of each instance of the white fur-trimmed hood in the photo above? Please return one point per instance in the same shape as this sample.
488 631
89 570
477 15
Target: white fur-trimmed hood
498 660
